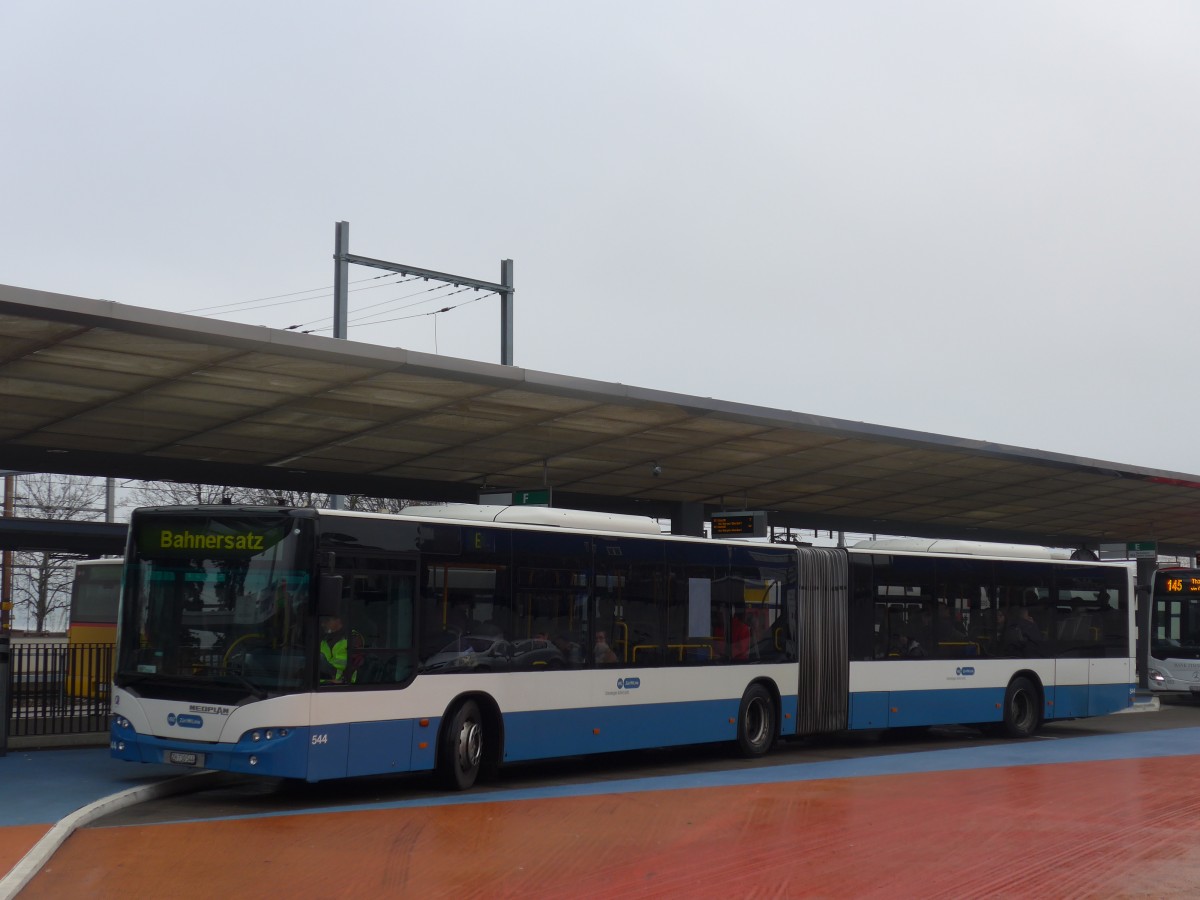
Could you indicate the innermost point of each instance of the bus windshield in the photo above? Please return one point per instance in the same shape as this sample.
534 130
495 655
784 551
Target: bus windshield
217 606
1175 633
94 592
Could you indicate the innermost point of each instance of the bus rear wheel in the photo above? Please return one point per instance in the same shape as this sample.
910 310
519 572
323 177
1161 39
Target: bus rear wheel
756 722
461 752
1021 714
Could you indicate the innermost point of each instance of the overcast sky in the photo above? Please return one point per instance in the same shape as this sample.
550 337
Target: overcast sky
970 219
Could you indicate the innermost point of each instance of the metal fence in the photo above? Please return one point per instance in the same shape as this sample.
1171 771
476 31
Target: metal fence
59 688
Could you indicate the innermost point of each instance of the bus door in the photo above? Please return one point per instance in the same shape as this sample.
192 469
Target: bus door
1072 640
378 619
1088 634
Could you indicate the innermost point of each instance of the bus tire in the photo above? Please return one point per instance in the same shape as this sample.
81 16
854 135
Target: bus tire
460 755
756 728
1022 716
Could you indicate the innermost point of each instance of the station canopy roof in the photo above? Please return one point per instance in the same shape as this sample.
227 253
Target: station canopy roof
100 388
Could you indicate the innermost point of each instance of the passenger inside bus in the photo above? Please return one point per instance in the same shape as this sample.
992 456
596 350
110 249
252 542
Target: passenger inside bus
949 626
741 635
741 638
602 652
1032 634
988 631
907 647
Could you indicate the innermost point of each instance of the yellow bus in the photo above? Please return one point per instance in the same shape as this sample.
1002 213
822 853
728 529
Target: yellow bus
92 633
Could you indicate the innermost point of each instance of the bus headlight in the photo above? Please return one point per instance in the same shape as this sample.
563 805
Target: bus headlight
258 736
1156 676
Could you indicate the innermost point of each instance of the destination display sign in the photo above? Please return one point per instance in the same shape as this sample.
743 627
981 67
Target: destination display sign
201 537
1180 582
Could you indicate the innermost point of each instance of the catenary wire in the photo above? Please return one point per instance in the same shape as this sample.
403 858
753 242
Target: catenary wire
414 315
356 319
249 303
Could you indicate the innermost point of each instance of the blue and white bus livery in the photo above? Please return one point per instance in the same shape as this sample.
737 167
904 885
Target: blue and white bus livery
483 635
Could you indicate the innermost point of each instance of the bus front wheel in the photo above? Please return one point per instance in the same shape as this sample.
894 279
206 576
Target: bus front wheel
461 755
756 722
1021 714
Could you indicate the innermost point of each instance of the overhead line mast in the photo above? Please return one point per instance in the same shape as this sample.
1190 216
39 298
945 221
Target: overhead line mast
342 257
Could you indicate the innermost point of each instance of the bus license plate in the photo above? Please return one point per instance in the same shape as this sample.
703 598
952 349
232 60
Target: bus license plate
182 758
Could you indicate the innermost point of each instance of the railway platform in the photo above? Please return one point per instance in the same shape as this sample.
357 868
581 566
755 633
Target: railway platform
1102 815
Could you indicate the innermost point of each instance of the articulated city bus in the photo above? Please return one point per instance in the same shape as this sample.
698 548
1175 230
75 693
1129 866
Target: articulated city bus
92 629
1174 663
318 644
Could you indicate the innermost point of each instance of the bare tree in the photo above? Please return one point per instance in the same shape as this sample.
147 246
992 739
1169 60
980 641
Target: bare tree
173 493
362 503
42 582
169 493
292 498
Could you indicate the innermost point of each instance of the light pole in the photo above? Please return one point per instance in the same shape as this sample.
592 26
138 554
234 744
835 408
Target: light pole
6 580
6 604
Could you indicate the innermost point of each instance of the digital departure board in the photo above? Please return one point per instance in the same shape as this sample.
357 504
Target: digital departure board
740 524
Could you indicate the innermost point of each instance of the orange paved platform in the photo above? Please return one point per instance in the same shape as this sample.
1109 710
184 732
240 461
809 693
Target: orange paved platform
16 841
1124 828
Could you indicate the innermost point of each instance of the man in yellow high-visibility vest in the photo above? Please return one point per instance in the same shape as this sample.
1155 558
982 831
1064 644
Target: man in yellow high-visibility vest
335 650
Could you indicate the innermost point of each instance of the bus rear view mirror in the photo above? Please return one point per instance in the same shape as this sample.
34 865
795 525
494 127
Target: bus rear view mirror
329 596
